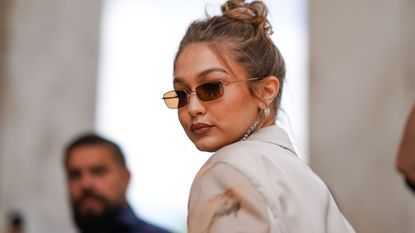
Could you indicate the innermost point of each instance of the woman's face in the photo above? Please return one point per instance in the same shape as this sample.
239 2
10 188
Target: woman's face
213 124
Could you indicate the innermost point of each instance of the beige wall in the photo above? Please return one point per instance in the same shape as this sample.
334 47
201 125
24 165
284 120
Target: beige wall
48 70
362 88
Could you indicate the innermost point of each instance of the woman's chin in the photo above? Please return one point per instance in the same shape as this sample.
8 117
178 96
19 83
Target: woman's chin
202 145
205 148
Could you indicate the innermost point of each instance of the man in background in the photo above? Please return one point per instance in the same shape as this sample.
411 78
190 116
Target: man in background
97 180
406 155
15 223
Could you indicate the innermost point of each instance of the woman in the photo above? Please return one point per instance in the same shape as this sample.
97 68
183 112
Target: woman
228 78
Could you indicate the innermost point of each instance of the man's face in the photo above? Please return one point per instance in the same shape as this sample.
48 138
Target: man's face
96 180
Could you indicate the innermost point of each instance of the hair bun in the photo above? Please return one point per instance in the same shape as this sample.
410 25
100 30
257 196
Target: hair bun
254 13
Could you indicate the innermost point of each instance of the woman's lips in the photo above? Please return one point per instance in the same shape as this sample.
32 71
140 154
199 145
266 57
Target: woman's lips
200 128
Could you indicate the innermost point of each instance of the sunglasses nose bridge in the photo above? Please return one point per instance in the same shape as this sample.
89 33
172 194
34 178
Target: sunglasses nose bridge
194 103
188 95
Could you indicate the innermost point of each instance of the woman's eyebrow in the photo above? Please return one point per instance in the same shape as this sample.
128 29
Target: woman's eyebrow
201 75
208 71
177 80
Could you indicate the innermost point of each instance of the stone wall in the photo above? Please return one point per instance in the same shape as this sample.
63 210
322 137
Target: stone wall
48 72
362 88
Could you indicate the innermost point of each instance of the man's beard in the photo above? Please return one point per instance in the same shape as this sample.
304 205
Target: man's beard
91 221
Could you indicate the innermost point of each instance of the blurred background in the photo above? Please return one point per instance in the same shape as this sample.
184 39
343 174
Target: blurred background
70 66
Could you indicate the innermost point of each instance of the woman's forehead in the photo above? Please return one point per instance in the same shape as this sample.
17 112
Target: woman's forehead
200 59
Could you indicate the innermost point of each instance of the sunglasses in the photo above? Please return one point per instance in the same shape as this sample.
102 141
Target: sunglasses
205 92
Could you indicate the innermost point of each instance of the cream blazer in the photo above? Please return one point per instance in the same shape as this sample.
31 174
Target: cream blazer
261 186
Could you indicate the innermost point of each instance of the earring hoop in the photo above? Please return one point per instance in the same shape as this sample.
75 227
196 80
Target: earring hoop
267 112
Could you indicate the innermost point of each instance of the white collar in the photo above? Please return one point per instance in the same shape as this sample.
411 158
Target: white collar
273 134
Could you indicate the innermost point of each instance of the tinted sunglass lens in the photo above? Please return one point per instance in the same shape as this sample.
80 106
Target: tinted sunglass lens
182 98
170 99
175 99
210 91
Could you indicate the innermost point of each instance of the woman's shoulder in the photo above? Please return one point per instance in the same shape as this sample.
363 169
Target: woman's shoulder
264 160
237 154
254 153
257 160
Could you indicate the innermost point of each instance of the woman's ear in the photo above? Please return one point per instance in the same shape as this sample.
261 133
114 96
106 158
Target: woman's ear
269 88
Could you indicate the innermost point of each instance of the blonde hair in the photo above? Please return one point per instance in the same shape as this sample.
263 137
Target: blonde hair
244 31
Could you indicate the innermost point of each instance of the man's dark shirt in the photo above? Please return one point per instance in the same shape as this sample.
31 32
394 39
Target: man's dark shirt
136 225
121 221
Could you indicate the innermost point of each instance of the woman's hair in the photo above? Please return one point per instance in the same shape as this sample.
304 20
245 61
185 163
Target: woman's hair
244 31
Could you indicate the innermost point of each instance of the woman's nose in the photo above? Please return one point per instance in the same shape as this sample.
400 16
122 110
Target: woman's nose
195 105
